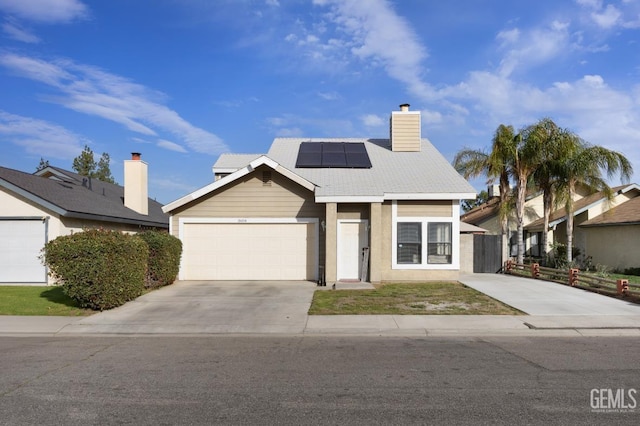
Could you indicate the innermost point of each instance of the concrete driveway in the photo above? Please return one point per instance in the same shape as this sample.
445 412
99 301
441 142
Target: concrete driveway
192 307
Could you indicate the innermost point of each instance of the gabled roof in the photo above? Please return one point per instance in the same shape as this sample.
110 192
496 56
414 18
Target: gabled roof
260 161
72 195
482 212
424 175
393 175
627 213
579 206
229 163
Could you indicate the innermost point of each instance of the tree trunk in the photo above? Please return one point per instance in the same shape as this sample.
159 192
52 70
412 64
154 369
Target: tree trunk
504 218
569 210
520 200
547 198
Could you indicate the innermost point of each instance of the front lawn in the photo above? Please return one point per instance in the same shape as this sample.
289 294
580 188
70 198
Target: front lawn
38 300
429 298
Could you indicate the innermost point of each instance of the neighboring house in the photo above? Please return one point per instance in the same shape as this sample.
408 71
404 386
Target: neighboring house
594 216
327 209
37 208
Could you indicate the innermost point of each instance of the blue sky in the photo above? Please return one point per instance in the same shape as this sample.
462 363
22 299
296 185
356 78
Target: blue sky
184 80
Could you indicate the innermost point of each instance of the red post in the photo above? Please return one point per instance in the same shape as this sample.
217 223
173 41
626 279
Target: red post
573 276
535 270
622 286
509 266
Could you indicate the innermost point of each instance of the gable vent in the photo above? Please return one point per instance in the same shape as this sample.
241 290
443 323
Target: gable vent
266 178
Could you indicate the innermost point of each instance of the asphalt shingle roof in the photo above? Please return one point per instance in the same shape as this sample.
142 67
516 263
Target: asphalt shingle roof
104 201
627 213
561 214
424 172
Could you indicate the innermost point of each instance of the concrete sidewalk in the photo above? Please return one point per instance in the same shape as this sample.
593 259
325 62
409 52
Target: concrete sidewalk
199 308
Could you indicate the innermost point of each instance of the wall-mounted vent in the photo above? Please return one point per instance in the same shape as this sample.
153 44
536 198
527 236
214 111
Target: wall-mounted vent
266 178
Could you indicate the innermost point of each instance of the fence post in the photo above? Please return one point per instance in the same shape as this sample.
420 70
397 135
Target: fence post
573 276
623 286
535 270
509 266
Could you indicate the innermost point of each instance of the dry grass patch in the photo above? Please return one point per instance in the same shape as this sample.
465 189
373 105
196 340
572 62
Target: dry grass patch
429 298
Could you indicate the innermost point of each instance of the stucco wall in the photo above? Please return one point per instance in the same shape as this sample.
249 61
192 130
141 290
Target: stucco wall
615 246
387 273
13 205
466 253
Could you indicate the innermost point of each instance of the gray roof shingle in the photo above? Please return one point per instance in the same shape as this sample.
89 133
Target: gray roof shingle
73 198
424 172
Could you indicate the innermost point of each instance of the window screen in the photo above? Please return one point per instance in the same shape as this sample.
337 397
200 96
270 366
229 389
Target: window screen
409 242
439 242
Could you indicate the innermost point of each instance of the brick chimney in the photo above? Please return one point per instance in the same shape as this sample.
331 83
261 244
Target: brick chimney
136 195
405 133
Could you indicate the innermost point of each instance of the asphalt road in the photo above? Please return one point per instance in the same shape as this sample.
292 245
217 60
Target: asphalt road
165 380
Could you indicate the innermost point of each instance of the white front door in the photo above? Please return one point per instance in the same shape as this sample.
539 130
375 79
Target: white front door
352 238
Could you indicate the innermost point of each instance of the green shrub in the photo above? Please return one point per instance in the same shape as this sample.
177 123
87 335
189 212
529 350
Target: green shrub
164 258
99 269
632 271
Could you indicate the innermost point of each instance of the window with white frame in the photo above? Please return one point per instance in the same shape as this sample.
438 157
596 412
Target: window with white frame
411 239
409 243
439 242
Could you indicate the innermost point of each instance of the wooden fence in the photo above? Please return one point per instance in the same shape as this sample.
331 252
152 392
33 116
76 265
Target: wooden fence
574 278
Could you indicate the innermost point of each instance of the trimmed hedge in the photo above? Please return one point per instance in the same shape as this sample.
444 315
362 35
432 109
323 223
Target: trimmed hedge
100 269
164 258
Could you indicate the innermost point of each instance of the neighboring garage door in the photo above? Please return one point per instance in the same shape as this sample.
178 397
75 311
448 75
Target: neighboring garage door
249 251
22 241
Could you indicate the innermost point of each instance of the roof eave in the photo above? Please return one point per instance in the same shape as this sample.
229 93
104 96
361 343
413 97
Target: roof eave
112 219
32 197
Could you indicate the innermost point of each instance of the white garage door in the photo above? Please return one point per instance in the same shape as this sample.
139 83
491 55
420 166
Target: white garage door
20 245
249 251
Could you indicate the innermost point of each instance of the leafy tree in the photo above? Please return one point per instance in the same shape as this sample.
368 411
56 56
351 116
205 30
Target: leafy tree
584 164
496 164
85 165
482 198
553 144
43 164
103 172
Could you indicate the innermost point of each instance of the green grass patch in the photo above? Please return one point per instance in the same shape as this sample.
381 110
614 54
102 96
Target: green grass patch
429 298
38 300
633 279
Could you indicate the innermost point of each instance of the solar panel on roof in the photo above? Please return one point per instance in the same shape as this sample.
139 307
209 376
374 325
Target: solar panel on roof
333 155
309 155
357 156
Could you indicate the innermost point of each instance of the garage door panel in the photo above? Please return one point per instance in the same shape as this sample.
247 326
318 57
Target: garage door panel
21 243
249 251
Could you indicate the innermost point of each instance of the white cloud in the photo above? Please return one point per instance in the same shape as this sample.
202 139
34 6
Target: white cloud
372 120
92 91
329 96
273 3
508 36
46 11
289 132
17 32
40 137
607 18
375 33
171 146
534 47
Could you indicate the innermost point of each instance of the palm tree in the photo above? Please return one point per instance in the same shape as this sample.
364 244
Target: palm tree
554 145
527 157
495 164
583 165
